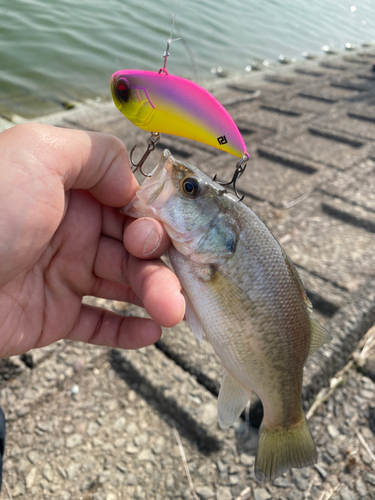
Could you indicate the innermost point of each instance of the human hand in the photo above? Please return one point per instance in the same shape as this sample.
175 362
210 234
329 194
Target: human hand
61 238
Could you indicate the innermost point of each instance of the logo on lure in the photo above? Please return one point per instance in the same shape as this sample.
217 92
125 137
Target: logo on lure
173 105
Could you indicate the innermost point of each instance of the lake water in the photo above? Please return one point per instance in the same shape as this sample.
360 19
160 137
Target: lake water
54 51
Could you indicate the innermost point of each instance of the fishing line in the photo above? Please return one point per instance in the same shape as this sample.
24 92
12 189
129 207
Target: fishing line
181 37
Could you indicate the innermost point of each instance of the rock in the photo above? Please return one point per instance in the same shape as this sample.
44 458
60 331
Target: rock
138 492
367 367
119 442
301 483
72 470
131 479
146 455
169 482
99 495
348 409
44 426
261 494
121 468
247 460
204 470
65 495
361 487
21 412
149 468
282 482
322 471
141 439
107 447
295 495
132 396
333 450
62 472
68 429
159 445
119 424
47 473
209 414
92 429
347 494
222 467
132 429
74 441
18 490
223 493
23 465
333 431
205 492
234 479
104 477
33 456
131 449
235 469
366 457
30 478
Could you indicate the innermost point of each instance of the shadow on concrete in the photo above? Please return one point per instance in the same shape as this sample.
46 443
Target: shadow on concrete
166 407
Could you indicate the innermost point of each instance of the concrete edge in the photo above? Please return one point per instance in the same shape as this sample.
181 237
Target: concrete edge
346 327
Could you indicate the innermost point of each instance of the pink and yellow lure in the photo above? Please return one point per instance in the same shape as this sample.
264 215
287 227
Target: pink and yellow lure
164 103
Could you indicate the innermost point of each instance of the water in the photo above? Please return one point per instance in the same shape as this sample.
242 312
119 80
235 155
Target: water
53 51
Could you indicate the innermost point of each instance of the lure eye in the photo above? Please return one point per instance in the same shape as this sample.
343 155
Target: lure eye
123 89
191 187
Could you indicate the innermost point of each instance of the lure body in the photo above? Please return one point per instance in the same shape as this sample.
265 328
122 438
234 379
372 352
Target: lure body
164 103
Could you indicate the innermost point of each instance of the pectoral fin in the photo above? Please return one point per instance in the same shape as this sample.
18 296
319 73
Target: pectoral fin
233 397
192 318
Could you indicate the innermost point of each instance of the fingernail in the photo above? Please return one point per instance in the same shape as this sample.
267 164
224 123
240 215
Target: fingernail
152 243
183 315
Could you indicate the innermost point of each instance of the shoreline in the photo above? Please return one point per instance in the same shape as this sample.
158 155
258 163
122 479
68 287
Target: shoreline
261 72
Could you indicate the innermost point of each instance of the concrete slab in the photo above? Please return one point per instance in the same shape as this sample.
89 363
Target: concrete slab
94 423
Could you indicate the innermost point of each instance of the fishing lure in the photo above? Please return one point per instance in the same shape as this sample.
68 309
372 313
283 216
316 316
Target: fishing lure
158 101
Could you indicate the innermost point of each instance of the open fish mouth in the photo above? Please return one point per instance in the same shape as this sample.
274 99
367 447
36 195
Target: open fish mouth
156 190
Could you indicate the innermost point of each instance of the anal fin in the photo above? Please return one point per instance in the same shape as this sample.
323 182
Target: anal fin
233 397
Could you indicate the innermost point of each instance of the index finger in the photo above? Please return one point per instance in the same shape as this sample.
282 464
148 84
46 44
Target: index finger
84 160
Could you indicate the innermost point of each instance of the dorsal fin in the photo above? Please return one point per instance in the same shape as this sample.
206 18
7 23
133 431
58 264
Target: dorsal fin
319 334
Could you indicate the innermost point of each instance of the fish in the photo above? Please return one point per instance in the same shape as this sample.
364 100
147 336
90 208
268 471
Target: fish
244 294
165 103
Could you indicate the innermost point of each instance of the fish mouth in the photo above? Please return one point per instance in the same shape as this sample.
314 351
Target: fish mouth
155 191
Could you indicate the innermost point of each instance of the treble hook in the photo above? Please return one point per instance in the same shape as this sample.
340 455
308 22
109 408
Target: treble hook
240 169
152 141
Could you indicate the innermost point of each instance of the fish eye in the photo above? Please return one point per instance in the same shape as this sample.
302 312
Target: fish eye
123 89
191 187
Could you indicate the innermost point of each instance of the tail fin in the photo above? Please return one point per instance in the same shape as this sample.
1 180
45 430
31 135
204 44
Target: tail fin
284 448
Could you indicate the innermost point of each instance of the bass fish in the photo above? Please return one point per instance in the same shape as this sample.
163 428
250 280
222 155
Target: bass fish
243 292
164 103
